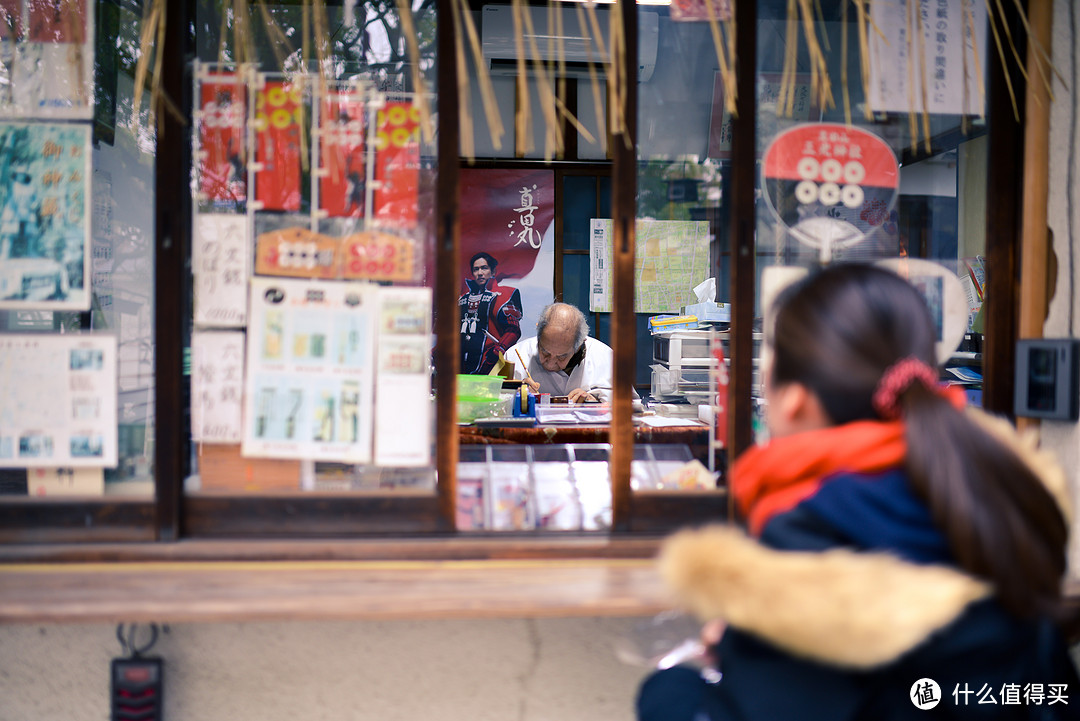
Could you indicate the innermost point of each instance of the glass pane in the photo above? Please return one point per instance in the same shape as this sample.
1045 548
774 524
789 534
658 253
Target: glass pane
851 176
77 261
679 254
313 249
579 207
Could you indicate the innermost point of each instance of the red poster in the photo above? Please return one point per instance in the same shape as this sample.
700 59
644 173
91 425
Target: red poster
509 215
397 165
278 115
341 190
506 213
57 21
222 171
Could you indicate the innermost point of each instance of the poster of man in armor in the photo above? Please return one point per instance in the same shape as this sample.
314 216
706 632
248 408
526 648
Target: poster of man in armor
490 317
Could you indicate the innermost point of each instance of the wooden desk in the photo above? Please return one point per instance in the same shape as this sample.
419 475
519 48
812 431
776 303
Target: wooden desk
697 437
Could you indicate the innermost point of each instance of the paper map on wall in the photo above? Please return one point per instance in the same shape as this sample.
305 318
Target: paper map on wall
670 258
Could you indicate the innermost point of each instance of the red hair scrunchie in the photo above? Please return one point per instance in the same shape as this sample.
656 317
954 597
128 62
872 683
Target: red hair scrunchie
896 379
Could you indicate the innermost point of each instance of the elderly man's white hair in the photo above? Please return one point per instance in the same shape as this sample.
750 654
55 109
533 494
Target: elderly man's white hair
564 313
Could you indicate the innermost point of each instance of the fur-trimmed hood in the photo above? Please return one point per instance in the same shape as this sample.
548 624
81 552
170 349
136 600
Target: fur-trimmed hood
841 607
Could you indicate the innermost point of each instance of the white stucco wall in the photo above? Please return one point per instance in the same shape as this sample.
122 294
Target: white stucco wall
495 670
1063 208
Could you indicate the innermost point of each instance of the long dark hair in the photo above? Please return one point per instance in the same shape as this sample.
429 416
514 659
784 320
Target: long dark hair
836 332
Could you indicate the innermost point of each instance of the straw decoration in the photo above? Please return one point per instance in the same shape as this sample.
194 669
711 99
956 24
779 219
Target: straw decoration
558 46
155 79
913 126
487 91
619 80
594 78
420 94
552 140
970 18
279 41
522 117
727 70
152 12
922 80
863 18
1001 53
843 61
242 50
819 67
820 15
785 97
468 148
1038 47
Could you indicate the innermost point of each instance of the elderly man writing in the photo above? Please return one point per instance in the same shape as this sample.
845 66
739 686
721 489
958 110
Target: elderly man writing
562 359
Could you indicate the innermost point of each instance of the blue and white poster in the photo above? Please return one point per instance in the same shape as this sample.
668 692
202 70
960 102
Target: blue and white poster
44 224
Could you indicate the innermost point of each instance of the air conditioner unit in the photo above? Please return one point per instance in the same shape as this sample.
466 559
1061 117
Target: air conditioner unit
578 46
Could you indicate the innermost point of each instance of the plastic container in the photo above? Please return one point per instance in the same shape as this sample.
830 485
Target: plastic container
469 409
474 388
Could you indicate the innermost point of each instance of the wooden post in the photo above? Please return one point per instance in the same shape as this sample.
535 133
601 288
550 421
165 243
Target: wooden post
447 231
1034 240
623 323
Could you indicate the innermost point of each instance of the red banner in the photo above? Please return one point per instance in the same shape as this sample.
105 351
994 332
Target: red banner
341 190
278 114
222 168
510 215
505 213
397 165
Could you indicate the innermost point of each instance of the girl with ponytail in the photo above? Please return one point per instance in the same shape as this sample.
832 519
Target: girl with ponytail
893 536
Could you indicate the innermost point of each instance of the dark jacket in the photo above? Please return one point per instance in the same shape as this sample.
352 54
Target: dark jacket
845 603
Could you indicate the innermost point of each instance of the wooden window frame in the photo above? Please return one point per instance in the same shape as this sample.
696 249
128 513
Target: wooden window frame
172 516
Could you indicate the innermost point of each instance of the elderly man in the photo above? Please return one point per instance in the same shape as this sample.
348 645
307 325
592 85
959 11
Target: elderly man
562 359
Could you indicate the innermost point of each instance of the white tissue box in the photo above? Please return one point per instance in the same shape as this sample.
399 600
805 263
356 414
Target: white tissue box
710 312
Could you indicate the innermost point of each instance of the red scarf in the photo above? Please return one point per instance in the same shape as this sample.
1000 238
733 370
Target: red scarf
776 477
